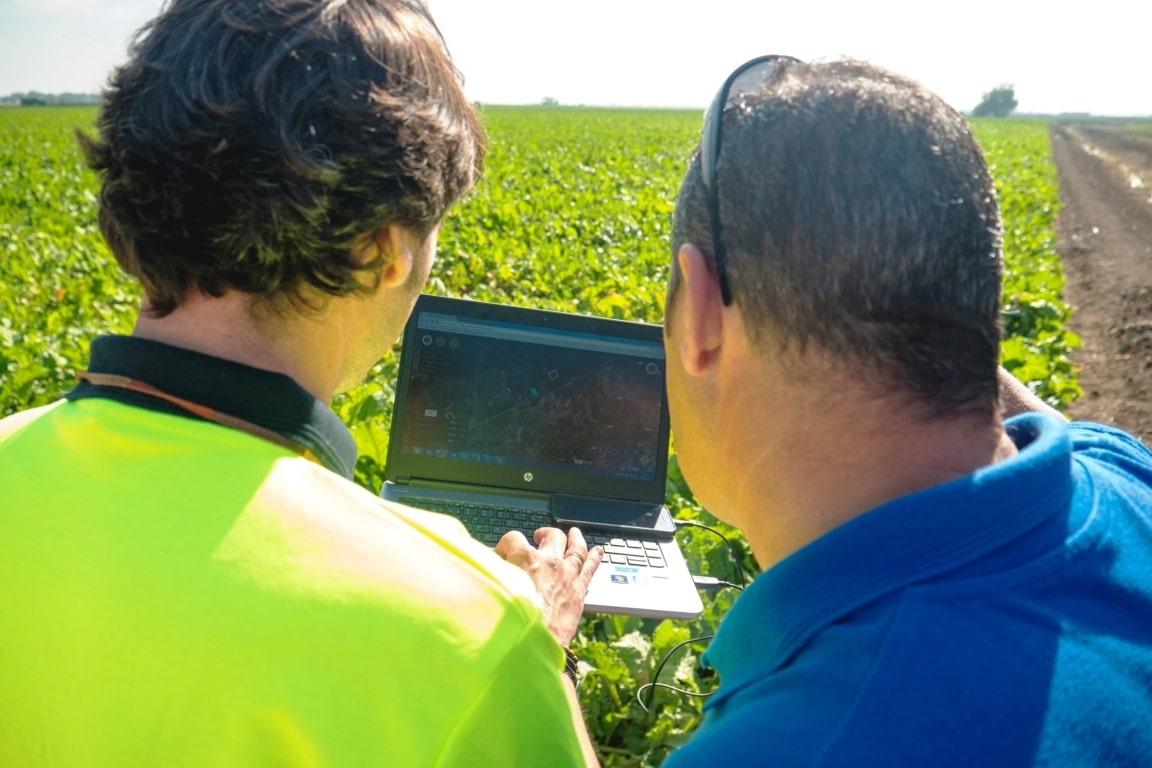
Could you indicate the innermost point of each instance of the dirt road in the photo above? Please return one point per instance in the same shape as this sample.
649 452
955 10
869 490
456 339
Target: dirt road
1104 236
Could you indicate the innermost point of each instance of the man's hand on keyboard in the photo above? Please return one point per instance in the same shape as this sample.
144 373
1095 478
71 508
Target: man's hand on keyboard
561 567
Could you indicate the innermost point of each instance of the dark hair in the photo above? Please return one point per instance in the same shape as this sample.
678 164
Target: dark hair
251 144
858 214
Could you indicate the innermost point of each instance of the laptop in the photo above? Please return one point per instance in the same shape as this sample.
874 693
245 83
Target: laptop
515 418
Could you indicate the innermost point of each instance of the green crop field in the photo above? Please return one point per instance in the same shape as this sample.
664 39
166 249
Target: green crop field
573 213
58 285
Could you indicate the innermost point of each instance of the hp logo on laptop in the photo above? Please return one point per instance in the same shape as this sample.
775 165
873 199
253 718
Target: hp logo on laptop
529 477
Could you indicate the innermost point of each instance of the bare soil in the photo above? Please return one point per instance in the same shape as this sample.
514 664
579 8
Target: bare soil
1104 236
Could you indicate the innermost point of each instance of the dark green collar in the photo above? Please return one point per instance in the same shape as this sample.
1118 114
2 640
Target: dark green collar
271 400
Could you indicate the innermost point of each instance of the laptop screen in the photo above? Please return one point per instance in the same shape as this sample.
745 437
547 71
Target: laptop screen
530 399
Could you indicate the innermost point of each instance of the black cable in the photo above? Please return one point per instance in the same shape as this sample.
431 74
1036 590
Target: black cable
701 582
737 558
660 668
711 583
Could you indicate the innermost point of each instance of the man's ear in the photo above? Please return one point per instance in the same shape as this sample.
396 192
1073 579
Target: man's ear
699 328
389 248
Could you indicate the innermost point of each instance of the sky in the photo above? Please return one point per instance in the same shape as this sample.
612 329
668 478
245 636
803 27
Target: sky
1087 57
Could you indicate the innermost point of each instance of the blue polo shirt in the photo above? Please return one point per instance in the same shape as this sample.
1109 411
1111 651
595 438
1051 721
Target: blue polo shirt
1004 618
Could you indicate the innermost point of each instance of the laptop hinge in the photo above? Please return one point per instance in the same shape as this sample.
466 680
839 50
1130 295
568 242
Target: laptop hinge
443 485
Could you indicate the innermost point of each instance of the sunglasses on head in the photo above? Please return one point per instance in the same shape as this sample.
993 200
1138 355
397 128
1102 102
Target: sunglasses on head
744 79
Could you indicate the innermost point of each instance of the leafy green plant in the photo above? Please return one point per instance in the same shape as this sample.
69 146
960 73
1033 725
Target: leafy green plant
59 285
1037 344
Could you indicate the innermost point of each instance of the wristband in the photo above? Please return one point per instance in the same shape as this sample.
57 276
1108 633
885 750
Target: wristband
571 666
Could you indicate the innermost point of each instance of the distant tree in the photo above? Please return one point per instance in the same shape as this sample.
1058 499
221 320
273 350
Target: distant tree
998 102
548 101
37 99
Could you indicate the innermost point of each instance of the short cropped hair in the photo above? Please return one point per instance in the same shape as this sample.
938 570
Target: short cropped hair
252 144
858 215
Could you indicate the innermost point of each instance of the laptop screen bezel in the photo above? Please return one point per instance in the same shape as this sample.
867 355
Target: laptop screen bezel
406 467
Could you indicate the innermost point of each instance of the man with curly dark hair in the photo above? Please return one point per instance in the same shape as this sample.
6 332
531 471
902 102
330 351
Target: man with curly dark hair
190 575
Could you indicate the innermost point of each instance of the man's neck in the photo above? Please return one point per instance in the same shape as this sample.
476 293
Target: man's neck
227 328
834 457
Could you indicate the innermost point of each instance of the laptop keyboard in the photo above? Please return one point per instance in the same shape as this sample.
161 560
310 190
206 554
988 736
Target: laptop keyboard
640 553
488 522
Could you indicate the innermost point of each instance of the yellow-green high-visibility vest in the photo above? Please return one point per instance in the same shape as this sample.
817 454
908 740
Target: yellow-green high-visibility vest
177 593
